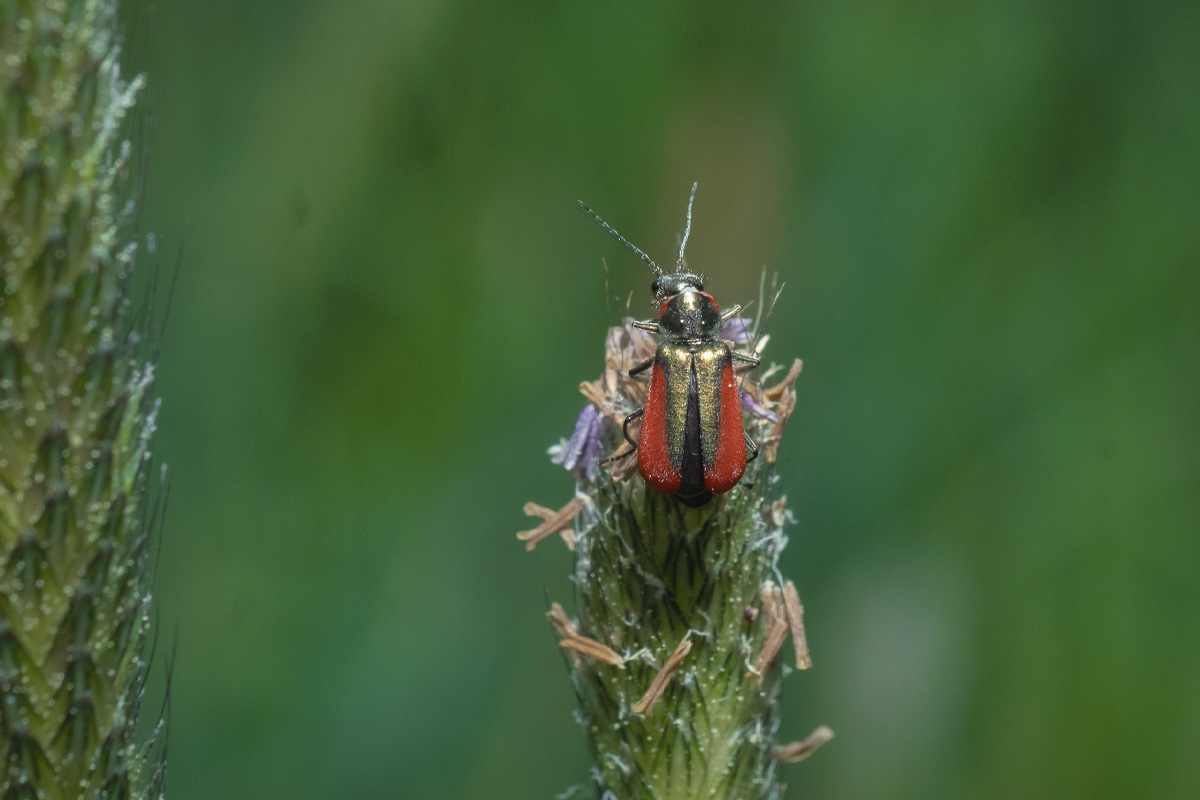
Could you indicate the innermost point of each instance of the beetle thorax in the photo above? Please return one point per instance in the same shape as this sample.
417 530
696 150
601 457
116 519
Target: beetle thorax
690 316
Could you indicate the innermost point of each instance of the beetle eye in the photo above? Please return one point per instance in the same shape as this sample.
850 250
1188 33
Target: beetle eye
654 287
700 285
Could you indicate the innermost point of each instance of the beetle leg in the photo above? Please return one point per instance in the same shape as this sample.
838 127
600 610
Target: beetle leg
752 447
732 311
749 360
625 428
642 367
646 325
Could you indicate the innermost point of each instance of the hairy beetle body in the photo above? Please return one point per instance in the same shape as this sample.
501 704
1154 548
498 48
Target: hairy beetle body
693 444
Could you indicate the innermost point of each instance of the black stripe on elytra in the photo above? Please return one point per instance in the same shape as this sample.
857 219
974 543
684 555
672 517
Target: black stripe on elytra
692 491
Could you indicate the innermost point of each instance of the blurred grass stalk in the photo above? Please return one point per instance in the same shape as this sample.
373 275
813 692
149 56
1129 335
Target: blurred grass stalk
76 416
676 655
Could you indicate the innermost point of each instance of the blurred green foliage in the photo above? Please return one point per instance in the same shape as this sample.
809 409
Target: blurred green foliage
987 217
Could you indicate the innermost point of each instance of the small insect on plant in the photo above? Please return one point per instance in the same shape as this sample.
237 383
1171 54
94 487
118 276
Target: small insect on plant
675 652
692 442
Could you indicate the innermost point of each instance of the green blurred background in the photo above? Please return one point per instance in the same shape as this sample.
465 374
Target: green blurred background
988 218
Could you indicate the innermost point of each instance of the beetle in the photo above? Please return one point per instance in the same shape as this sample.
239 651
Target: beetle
693 443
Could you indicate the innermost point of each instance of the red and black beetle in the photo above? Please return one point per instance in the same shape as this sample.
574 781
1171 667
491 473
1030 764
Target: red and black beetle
692 444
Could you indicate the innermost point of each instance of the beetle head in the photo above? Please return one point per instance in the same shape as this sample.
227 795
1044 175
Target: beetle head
670 284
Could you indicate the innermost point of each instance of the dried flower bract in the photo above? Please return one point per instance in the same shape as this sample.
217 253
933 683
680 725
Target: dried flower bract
798 751
776 626
593 649
555 522
659 684
795 618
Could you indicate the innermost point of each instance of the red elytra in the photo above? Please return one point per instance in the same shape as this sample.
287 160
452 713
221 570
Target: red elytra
730 460
654 456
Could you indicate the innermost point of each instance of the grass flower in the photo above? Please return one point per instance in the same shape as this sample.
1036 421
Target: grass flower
77 411
676 651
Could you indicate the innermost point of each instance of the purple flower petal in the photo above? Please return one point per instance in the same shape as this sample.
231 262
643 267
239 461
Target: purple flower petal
758 411
590 459
739 330
581 454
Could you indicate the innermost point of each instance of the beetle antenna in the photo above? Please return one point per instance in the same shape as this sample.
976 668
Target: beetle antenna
687 230
649 261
